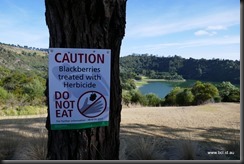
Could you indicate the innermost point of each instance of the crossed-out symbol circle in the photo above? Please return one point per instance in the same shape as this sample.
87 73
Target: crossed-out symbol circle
92 104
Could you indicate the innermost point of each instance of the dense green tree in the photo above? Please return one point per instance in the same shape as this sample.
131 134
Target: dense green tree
185 97
35 89
138 98
126 98
129 84
152 99
14 83
215 70
170 99
204 92
234 96
228 92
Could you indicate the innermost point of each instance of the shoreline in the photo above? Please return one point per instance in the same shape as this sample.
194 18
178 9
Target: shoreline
145 81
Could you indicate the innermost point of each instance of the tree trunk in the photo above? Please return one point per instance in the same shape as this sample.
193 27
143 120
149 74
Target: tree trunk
88 24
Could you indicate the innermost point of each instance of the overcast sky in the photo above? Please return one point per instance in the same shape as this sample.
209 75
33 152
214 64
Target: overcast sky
187 28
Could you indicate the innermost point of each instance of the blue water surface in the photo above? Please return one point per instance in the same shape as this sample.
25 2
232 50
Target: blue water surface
161 89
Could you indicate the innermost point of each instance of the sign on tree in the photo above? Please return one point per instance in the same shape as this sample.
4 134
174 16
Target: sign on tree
79 88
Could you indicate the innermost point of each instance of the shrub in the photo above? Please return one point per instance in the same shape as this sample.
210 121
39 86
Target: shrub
204 92
7 145
228 92
170 99
143 149
137 97
34 148
153 100
185 150
185 97
126 98
3 94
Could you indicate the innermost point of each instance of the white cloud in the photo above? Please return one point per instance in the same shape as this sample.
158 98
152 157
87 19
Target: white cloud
217 27
204 32
209 30
191 43
211 21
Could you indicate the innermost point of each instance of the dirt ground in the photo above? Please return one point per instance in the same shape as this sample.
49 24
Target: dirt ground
195 120
212 126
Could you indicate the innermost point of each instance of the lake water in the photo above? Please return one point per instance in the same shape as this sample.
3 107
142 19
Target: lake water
161 89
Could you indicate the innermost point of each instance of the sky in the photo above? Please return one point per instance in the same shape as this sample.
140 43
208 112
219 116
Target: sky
197 29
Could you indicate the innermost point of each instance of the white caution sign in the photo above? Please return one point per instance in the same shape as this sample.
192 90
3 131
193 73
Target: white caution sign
79 88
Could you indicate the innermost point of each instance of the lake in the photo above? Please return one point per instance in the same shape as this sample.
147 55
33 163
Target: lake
162 88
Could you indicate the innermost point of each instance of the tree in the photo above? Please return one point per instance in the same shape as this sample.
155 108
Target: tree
153 99
204 92
170 99
88 24
228 92
185 97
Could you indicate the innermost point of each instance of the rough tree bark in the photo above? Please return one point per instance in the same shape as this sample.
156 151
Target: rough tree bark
88 24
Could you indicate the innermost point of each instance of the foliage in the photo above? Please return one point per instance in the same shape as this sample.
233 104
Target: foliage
14 58
228 92
22 80
199 93
138 98
178 68
204 92
129 84
22 110
3 94
153 100
24 85
126 98
24 72
185 98
170 99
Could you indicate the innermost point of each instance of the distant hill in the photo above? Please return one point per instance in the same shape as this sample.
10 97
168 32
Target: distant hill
23 58
215 70
15 57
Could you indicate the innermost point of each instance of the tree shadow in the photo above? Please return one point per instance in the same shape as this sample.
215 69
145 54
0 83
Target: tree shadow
170 140
26 125
212 139
15 133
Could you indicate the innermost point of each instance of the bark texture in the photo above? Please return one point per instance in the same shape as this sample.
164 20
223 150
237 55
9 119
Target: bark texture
88 24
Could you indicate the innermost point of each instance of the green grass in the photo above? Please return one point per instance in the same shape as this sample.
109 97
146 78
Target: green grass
22 110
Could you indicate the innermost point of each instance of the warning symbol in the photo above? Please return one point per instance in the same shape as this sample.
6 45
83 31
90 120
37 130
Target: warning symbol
91 104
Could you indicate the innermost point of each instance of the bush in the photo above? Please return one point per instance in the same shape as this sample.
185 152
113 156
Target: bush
228 92
128 84
138 98
234 96
22 110
138 78
153 100
170 99
143 149
185 97
35 148
204 92
3 94
126 98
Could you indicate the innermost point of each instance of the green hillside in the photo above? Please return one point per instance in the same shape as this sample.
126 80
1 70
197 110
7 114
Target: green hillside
23 59
177 68
24 71
22 79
